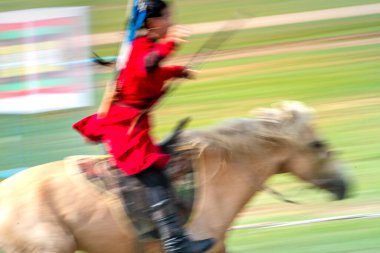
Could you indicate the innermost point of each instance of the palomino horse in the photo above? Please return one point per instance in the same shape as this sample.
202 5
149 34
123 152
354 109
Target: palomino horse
43 211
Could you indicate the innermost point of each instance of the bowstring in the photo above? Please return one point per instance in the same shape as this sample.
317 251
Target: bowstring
208 49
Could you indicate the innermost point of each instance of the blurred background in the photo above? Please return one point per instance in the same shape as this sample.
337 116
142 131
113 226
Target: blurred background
323 53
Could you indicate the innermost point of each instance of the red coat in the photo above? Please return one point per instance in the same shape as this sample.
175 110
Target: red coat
126 129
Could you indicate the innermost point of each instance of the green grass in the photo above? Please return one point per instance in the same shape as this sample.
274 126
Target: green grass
277 34
309 76
110 15
357 236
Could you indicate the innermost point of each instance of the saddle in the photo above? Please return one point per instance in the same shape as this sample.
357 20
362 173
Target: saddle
100 172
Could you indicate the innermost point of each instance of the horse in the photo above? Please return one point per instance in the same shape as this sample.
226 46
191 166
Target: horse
43 211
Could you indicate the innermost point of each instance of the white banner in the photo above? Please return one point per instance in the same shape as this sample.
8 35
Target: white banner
43 63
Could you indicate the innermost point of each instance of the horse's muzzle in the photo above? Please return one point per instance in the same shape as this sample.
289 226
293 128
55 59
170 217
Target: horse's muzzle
338 187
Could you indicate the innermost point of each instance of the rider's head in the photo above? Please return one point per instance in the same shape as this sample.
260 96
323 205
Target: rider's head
158 18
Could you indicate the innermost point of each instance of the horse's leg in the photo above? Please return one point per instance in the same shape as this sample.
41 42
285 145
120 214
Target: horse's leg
40 239
53 238
152 247
63 245
219 247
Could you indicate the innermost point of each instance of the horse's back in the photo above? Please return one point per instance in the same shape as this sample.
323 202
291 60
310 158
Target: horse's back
31 176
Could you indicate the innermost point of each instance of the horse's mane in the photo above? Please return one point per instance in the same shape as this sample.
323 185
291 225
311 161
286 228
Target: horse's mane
271 126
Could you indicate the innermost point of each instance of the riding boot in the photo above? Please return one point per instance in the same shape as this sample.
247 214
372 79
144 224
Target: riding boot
172 234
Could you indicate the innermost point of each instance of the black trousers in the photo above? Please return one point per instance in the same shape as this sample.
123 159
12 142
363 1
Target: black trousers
153 177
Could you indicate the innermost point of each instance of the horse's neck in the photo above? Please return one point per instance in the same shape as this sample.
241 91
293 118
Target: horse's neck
223 191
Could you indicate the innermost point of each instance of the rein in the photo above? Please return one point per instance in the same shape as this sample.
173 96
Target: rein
270 190
279 195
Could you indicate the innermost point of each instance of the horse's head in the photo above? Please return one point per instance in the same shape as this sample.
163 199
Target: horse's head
308 155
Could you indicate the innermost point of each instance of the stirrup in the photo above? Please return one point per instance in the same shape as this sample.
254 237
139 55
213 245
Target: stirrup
183 244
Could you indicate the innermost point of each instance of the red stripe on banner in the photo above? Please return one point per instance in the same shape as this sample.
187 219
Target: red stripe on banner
51 90
37 23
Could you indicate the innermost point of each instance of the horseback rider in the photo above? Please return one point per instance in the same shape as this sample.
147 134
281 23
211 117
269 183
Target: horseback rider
123 121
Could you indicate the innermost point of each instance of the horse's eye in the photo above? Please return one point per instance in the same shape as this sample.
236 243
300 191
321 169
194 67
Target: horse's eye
317 145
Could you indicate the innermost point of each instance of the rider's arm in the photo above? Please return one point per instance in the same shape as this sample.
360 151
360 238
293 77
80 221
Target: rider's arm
159 52
175 36
175 72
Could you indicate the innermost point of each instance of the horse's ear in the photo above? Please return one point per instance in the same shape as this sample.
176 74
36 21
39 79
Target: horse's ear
292 115
267 114
275 115
294 111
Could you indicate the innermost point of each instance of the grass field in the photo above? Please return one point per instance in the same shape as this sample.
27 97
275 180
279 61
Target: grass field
110 15
334 237
342 84
278 34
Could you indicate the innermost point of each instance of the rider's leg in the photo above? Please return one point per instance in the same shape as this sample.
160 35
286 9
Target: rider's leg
164 214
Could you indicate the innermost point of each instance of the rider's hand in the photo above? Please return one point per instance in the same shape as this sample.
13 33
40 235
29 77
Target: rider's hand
190 73
177 34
